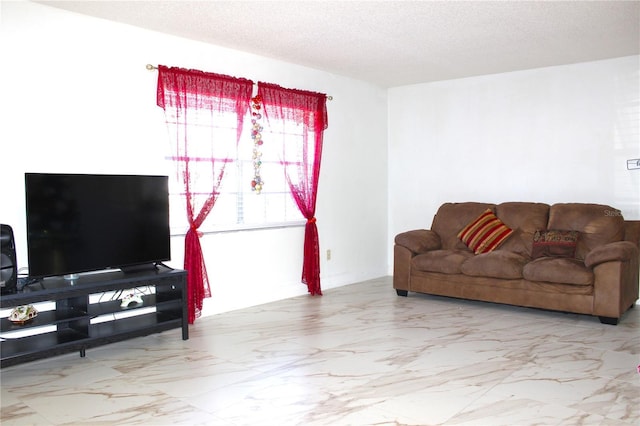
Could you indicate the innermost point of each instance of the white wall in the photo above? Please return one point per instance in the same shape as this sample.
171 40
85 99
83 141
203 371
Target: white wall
557 134
76 97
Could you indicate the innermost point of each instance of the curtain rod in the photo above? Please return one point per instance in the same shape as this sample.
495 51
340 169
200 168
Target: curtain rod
153 68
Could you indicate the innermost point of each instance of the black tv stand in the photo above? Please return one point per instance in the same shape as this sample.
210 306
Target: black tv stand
82 318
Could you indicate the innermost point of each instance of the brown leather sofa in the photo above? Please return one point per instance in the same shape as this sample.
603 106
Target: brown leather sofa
600 278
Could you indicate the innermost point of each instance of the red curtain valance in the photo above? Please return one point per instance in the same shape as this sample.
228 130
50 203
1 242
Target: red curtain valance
308 108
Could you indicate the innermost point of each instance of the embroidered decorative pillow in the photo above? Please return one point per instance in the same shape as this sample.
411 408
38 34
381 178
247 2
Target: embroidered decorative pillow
554 243
485 233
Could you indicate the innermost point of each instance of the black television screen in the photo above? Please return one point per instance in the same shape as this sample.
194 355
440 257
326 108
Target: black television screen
88 222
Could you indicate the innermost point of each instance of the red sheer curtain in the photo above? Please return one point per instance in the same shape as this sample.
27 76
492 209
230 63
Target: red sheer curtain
300 118
196 104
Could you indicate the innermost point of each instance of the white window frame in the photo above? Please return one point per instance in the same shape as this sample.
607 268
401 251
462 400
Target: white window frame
241 168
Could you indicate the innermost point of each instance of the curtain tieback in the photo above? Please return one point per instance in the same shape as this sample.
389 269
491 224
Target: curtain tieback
312 220
193 228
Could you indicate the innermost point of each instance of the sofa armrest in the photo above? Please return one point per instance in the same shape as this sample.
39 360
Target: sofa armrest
419 240
632 231
617 251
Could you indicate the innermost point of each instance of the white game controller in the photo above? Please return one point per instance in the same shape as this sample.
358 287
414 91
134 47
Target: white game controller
129 299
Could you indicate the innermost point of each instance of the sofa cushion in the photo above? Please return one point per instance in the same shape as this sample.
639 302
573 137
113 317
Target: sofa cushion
525 219
598 224
558 270
497 264
554 243
442 261
485 233
451 218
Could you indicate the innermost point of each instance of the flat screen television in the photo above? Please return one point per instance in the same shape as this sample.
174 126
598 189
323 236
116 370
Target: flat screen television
88 222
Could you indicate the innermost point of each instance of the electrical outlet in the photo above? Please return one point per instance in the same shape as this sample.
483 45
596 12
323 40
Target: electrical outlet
328 254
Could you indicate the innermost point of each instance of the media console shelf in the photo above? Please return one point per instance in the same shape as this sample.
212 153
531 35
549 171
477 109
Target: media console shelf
86 312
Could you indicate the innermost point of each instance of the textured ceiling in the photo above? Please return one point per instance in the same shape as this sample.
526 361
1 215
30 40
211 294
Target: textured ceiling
394 43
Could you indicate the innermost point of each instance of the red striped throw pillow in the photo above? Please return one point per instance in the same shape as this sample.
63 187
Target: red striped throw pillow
485 233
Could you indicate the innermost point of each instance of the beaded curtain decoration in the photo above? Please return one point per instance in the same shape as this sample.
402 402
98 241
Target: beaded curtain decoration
256 135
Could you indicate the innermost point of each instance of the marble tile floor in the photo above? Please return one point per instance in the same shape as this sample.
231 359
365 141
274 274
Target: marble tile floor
359 355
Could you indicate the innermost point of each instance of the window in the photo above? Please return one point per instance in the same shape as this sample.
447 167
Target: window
237 206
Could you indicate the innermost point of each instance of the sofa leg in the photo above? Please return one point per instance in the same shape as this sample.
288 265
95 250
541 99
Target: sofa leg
402 292
609 320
